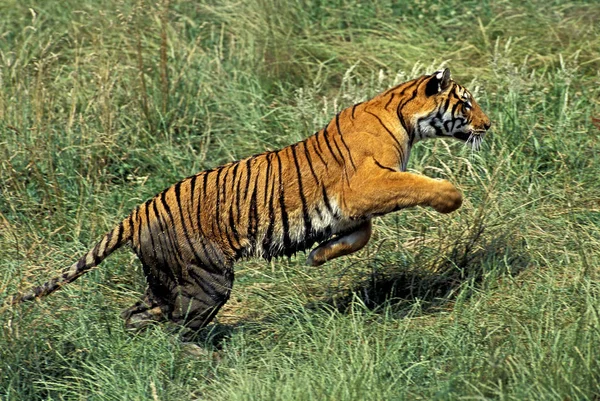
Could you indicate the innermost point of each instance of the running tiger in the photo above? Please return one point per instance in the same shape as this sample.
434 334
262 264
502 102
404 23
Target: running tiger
324 189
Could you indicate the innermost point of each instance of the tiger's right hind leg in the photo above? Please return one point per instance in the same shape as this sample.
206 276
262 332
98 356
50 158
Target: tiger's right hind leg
189 298
200 294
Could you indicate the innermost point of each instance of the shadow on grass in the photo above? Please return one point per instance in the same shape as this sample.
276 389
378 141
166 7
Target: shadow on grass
437 274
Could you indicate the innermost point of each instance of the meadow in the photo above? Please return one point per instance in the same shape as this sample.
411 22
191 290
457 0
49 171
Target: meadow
104 103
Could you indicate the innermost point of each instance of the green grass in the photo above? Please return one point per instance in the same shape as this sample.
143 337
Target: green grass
104 103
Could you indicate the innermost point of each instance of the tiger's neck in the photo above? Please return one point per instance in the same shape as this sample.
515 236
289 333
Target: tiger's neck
376 129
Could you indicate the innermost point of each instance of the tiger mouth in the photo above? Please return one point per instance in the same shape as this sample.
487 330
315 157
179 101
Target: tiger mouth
463 136
472 134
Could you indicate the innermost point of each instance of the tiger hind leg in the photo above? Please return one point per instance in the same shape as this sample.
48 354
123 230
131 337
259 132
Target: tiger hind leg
200 295
144 313
341 245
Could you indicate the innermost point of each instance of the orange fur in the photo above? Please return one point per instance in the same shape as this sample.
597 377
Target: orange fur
324 189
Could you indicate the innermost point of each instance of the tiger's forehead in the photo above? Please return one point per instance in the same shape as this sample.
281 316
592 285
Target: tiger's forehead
462 93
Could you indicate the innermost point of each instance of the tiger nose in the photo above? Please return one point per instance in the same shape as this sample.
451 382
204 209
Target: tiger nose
487 125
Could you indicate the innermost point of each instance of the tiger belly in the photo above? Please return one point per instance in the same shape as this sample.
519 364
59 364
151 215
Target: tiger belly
325 222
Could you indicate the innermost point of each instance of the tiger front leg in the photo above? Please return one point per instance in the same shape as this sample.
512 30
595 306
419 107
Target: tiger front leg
377 191
344 244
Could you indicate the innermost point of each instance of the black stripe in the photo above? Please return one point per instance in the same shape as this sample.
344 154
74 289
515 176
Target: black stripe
413 96
202 235
407 85
95 255
337 124
217 219
268 239
249 170
325 134
394 88
454 94
284 216
438 130
199 207
315 142
208 262
266 245
237 249
232 223
234 176
399 145
138 219
267 175
120 233
421 80
205 183
383 167
318 210
165 204
186 233
206 286
169 227
253 214
172 239
223 224
389 101
453 112
309 161
338 147
305 216
225 182
81 263
448 125
190 208
149 233
326 201
162 239
409 129
442 110
354 108
177 190
229 239
238 200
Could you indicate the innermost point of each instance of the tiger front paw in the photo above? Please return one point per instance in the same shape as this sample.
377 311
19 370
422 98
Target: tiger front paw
447 198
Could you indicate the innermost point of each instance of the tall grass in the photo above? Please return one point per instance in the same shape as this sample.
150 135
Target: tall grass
104 103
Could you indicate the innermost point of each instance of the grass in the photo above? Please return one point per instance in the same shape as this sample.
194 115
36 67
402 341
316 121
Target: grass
105 103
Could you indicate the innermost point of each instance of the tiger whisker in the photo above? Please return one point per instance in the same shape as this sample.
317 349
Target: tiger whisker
474 141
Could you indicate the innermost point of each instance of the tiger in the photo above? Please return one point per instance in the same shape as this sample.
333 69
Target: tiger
325 189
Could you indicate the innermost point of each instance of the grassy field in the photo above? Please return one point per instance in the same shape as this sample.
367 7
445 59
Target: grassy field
104 103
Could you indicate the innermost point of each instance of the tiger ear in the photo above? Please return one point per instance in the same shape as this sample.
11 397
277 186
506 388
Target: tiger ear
438 82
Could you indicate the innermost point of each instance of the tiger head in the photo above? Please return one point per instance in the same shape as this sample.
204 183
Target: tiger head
449 111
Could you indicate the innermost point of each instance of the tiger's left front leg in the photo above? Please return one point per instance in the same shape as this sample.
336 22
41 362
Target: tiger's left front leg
376 190
341 245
